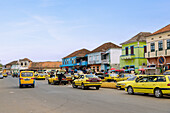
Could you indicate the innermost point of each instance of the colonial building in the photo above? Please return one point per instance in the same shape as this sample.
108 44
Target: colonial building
75 60
16 66
24 63
100 58
45 66
158 50
133 50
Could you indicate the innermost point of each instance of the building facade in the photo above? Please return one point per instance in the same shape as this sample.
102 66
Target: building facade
75 60
45 66
158 51
103 57
111 59
133 57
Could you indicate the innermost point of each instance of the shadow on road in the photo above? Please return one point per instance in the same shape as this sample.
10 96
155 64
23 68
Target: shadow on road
149 95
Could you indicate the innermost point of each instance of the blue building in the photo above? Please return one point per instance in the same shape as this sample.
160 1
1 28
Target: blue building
76 60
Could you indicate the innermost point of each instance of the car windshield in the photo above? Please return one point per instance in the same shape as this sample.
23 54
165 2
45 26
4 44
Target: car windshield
91 76
28 74
169 78
129 75
131 78
113 75
167 73
41 74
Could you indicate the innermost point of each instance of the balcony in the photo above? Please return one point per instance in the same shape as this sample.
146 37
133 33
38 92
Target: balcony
83 63
123 57
105 61
157 53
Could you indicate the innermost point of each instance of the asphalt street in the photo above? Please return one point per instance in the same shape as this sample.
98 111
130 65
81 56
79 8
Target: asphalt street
46 98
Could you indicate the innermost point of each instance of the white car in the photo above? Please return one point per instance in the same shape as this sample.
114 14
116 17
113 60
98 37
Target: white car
1 76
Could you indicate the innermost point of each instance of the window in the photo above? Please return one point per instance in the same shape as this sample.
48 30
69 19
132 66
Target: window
132 50
97 57
93 68
145 49
144 79
126 50
21 64
152 47
168 44
25 64
160 45
97 68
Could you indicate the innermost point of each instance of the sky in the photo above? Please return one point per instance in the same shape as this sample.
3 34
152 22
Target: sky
48 30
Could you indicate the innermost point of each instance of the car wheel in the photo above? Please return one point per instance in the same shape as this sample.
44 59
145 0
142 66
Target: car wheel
158 93
33 86
20 86
74 86
49 82
97 88
83 87
130 90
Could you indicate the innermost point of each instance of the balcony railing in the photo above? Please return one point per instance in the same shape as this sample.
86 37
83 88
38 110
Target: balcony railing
127 56
105 61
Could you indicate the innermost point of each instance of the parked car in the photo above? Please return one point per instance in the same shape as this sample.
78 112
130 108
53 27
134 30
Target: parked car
154 84
86 81
26 78
1 76
55 80
4 74
40 76
122 84
68 77
166 72
101 76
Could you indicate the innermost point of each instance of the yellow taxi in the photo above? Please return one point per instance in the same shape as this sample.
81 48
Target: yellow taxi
5 75
166 72
151 84
40 76
26 78
55 80
122 84
111 77
68 77
86 81
101 76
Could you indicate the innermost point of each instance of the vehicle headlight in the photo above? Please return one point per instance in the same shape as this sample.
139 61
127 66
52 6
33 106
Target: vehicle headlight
123 84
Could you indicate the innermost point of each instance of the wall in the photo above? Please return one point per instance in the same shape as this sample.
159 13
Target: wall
138 57
115 56
92 58
156 38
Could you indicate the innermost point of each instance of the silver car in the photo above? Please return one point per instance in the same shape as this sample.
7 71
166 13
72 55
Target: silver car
1 76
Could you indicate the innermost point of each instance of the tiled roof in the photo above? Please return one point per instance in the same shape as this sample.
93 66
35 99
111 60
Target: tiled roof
12 63
162 30
25 59
44 65
105 47
78 53
140 37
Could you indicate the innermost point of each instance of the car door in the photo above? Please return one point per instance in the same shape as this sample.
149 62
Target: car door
81 79
139 86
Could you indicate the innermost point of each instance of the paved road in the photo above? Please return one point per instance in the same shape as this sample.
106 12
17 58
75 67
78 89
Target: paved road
46 98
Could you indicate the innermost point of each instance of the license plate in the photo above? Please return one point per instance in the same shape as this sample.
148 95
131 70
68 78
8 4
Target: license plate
27 79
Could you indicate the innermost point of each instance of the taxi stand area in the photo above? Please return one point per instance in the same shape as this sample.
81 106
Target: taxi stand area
157 85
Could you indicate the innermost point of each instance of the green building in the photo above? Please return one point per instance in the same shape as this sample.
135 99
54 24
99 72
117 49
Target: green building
133 51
